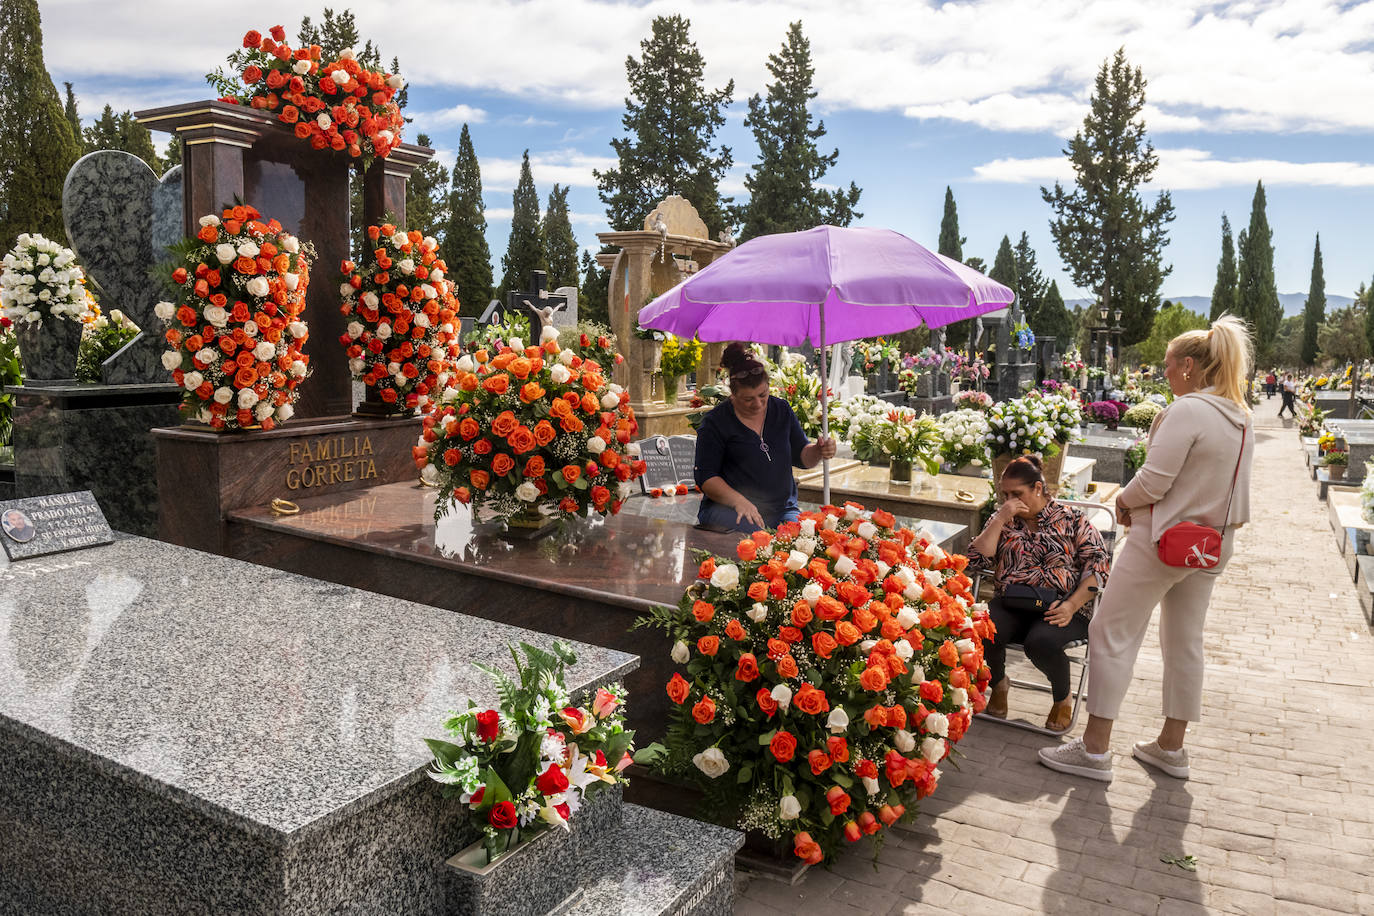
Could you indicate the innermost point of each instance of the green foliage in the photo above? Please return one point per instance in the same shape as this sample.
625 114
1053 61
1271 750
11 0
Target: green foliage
70 110
1137 453
465 236
99 345
1288 341
122 132
784 190
951 242
37 145
671 120
1109 238
1314 310
1344 336
1055 320
1004 266
11 374
525 250
1224 292
594 291
1030 283
1141 415
1257 298
427 196
560 245
1171 321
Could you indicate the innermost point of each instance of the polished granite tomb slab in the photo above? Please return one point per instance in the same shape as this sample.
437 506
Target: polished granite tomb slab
181 732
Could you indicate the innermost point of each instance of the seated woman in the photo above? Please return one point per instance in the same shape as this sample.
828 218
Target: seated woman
746 447
1032 540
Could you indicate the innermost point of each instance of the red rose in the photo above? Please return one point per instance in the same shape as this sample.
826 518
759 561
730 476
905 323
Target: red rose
488 725
783 746
838 799
502 815
252 39
819 761
552 781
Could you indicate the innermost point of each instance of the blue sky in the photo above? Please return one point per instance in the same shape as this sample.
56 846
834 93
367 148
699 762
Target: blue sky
978 95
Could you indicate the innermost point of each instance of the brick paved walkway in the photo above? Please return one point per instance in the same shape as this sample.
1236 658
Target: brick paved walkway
1280 808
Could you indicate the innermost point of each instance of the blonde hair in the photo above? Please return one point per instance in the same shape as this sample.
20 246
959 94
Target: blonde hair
1221 356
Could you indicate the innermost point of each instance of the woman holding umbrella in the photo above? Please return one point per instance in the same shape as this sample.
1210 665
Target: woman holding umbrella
746 448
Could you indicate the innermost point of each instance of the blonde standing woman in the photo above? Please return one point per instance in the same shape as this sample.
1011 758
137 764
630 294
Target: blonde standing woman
1195 454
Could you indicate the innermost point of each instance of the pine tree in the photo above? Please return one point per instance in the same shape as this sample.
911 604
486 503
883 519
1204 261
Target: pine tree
1030 283
671 120
784 195
427 196
173 157
560 245
37 146
73 117
1224 293
1314 310
1004 266
465 237
593 292
525 251
1055 320
951 243
122 132
1111 241
1257 299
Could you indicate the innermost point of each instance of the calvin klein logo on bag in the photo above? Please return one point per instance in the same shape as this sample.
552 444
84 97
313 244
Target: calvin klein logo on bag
1199 558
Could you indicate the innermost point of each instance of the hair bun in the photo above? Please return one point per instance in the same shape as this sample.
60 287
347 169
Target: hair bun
740 361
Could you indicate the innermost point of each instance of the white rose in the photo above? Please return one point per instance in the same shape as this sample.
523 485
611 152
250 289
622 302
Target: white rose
293 280
782 694
264 351
560 374
566 357
805 544
838 720
904 740
933 749
527 492
297 329
206 221
913 592
192 380
223 395
171 360
851 513
247 398
964 646
808 527
844 565
289 243
421 320
905 575
217 316
907 617
812 593
904 650
547 334
286 412
204 357
632 450
346 290
870 784
883 570
596 445
867 645
711 762
298 368
726 577
406 265
959 696
466 364
681 654
383 331
301 67
340 77
516 344
356 365
165 310
937 723
789 809
263 410
867 530
796 560
248 249
610 401
394 81
225 253
370 300
758 613
258 287
355 330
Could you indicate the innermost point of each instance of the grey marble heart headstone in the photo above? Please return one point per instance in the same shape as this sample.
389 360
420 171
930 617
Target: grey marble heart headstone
120 218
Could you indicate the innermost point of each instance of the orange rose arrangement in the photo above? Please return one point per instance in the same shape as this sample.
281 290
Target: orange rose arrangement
235 332
400 309
829 668
334 104
532 430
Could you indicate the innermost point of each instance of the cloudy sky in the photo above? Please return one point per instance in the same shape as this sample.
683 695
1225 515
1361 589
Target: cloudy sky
977 95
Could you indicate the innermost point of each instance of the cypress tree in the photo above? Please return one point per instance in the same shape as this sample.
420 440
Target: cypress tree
1030 283
951 243
1224 292
671 120
427 196
592 304
465 236
1004 266
73 118
1111 241
525 251
1257 299
782 185
37 146
1055 320
560 245
122 132
1314 310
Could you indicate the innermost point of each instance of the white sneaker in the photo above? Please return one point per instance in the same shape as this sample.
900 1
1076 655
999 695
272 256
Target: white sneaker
1175 763
1073 758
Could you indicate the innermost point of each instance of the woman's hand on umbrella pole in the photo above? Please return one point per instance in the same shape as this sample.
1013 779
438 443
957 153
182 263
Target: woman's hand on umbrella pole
745 511
826 444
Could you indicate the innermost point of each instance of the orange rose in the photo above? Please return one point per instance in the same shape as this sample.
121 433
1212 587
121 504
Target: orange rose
531 392
707 569
827 608
837 748
521 440
705 711
949 655
520 368
783 746
708 645
748 669
896 716
876 717
544 433
479 478
766 702
735 630
502 465
469 429
846 634
746 550
811 701
824 644
874 679
787 666
498 383
571 425
678 689
504 424
571 472
807 849
758 591
801 611
819 761
534 467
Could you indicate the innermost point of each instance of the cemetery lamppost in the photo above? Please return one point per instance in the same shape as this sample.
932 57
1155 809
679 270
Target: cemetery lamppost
1116 337
1098 342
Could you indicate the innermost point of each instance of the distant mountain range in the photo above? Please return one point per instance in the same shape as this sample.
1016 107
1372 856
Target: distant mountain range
1292 302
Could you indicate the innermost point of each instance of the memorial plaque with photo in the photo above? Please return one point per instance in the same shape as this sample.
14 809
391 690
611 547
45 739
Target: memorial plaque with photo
39 525
668 460
684 452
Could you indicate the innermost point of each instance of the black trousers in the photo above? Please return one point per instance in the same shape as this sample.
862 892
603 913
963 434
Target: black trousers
1288 405
1044 643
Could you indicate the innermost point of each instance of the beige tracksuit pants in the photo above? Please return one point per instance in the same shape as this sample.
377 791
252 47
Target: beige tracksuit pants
1138 583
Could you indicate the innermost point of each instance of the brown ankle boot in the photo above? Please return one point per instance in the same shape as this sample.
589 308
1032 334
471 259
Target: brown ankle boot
1061 714
997 700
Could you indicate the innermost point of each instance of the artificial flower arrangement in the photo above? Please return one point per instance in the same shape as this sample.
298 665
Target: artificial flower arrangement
531 763
1035 424
970 368
400 338
930 358
1072 362
829 669
531 432
335 104
905 437
1023 336
973 400
236 333
41 279
963 435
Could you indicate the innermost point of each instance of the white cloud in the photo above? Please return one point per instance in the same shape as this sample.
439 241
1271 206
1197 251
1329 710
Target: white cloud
577 219
1192 169
450 117
564 167
526 121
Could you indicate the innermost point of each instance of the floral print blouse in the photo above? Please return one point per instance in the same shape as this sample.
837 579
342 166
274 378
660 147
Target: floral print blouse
1063 550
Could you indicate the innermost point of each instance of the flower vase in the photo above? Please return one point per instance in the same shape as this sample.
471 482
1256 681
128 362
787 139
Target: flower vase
671 387
507 884
528 524
48 349
899 470
1336 471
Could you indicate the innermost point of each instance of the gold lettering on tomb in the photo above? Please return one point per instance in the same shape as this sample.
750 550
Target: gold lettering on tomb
329 460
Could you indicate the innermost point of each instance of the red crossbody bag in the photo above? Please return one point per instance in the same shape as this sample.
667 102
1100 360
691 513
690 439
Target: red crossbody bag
1197 546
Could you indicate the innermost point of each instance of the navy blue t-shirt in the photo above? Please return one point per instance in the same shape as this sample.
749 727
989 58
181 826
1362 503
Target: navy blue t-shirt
728 449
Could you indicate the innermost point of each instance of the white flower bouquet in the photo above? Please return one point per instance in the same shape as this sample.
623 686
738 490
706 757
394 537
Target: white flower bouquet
41 279
1035 424
963 436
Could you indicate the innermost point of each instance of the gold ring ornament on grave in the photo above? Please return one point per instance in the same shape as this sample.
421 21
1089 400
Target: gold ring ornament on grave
285 507
964 496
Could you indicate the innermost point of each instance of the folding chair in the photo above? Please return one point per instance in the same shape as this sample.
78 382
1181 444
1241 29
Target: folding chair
1109 539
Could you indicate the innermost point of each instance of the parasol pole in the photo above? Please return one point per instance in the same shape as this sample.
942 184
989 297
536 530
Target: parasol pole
825 412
